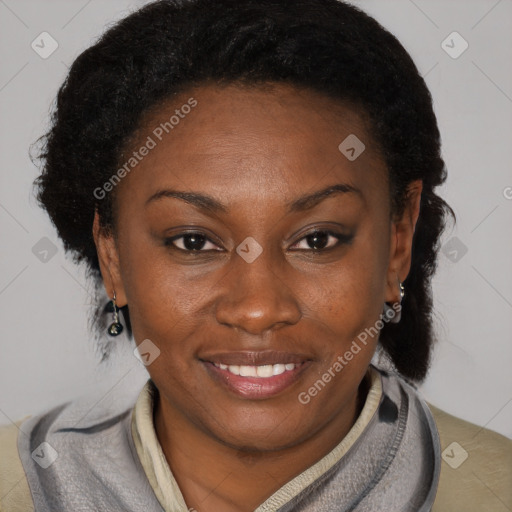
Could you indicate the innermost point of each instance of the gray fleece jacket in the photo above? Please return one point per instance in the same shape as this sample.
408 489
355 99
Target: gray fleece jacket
394 465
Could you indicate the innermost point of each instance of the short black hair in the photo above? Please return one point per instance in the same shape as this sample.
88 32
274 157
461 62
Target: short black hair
168 46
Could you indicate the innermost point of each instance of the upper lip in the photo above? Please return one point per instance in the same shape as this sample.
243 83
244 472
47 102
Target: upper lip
256 358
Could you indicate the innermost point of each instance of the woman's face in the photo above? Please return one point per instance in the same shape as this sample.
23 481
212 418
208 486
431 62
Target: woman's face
249 242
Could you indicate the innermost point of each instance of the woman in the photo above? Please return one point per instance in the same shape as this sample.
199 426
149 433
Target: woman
252 182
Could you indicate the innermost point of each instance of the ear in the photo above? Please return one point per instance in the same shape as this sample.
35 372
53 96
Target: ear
108 257
402 231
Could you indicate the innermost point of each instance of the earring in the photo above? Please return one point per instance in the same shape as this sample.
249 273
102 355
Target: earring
115 328
390 313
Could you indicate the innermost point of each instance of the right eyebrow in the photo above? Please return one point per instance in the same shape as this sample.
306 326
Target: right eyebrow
201 201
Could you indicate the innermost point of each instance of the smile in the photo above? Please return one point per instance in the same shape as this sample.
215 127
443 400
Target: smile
256 375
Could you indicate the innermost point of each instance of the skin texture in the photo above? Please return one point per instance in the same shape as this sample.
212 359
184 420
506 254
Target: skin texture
256 150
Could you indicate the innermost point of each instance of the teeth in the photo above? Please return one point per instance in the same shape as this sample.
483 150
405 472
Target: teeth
234 369
278 369
248 371
264 371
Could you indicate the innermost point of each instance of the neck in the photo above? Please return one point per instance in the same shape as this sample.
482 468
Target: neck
213 476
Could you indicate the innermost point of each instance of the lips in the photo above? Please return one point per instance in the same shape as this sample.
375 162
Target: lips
256 375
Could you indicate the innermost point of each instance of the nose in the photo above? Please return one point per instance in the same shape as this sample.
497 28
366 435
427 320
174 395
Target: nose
256 297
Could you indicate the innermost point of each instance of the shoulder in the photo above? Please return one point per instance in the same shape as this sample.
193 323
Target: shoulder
103 417
14 490
476 468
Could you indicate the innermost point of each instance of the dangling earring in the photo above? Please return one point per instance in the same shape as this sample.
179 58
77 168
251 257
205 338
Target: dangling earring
394 316
115 328
402 290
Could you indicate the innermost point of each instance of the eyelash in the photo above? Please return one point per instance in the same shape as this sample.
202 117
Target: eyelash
342 239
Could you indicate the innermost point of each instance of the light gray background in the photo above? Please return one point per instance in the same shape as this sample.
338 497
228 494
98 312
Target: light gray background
47 355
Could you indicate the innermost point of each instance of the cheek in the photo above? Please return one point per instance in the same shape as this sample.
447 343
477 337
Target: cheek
163 298
370 261
350 294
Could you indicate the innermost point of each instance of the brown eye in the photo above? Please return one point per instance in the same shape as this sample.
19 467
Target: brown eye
191 242
321 240
318 240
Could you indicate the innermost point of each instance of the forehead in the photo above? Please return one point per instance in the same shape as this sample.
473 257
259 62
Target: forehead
235 140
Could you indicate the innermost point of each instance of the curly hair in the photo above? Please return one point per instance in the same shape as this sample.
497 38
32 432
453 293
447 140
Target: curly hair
170 45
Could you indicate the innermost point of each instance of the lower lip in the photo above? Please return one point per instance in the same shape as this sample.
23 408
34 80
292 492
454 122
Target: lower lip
256 388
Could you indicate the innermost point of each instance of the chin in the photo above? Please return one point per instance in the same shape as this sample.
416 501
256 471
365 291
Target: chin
269 438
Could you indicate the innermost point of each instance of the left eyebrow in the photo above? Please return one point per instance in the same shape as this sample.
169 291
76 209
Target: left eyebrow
311 200
306 202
